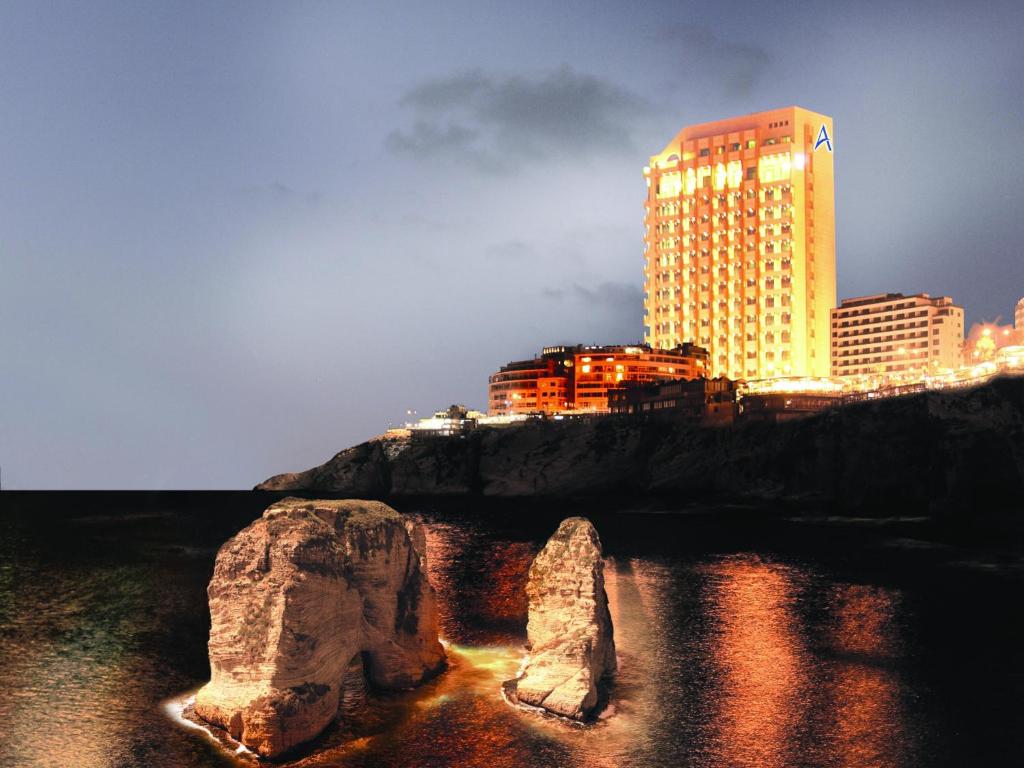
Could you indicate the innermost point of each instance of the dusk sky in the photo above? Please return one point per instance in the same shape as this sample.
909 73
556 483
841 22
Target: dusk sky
236 238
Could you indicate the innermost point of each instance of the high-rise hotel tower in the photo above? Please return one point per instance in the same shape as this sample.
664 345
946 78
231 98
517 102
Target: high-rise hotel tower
740 244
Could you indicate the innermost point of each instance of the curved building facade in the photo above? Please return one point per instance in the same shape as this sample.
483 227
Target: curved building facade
579 378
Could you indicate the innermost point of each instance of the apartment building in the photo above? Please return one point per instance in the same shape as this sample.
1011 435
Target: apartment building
896 335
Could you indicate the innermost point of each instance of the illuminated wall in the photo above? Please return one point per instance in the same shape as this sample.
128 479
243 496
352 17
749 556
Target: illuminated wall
893 334
530 386
740 244
603 368
579 378
1018 318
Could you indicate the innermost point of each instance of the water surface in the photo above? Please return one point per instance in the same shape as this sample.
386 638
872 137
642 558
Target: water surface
742 642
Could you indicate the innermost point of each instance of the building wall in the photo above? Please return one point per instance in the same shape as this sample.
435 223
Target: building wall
891 334
597 371
707 401
529 386
1018 318
579 378
740 244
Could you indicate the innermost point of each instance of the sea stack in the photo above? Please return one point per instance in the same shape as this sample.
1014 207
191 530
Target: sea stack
569 631
310 593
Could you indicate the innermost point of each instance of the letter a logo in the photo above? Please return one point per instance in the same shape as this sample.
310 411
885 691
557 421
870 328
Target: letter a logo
823 139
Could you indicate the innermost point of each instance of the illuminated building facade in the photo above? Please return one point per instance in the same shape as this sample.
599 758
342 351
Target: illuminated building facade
540 385
740 244
891 334
578 378
454 421
1018 317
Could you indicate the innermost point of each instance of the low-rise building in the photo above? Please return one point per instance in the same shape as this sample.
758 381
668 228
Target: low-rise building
540 385
579 378
897 336
707 401
785 406
454 421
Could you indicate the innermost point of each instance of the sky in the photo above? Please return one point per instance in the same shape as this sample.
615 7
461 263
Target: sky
236 238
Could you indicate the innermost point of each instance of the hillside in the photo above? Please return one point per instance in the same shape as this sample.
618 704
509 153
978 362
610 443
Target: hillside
937 452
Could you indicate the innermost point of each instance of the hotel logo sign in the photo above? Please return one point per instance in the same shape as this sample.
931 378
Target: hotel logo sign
823 138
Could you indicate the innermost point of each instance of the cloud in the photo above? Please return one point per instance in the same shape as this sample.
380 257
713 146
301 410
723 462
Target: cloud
430 138
499 123
617 296
734 67
511 250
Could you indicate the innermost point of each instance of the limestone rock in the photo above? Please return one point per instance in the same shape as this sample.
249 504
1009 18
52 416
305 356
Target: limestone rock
308 596
569 630
955 453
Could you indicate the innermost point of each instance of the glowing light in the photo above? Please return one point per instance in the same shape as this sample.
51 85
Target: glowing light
720 176
796 385
670 184
772 168
735 173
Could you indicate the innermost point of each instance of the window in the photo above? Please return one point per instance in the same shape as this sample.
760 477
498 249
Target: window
704 152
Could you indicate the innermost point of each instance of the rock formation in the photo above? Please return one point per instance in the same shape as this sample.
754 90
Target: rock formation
952 453
569 631
306 598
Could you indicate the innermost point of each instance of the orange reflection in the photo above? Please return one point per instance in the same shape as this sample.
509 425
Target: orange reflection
868 728
762 662
509 567
481 584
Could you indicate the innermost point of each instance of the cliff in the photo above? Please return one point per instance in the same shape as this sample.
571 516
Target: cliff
934 452
569 632
304 603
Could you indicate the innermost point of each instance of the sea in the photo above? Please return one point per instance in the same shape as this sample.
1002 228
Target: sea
747 636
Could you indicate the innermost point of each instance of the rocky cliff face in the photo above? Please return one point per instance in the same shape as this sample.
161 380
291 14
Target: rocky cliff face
569 631
305 600
939 452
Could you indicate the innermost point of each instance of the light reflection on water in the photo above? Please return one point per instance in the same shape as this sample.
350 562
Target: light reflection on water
758 650
865 694
739 659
